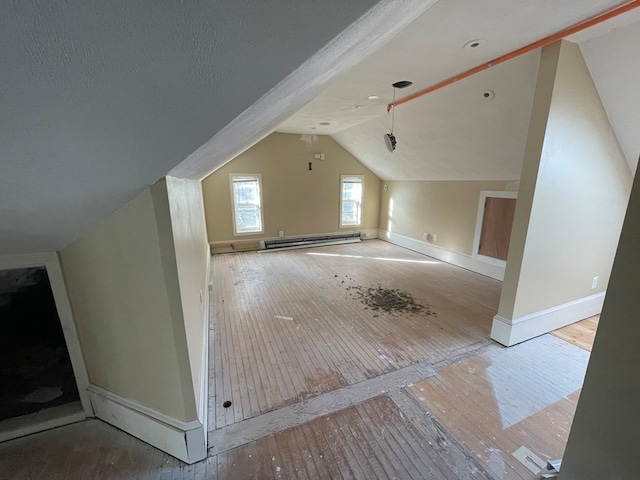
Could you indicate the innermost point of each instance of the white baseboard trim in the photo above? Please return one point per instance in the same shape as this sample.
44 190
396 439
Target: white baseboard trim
183 440
203 412
510 332
458 259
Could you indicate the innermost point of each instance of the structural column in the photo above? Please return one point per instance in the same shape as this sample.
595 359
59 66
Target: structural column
573 192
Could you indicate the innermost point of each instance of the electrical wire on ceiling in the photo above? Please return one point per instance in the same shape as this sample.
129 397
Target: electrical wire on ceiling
389 138
627 7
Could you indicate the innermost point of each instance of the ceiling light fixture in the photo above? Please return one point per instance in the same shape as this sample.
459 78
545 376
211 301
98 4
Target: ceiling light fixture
473 44
373 97
389 138
488 94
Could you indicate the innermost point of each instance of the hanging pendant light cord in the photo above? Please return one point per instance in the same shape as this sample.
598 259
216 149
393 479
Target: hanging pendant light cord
393 110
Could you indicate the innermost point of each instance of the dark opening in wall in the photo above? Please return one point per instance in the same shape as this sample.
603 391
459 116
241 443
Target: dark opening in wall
35 369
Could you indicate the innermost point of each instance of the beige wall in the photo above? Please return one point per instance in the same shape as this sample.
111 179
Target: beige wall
123 288
448 209
192 259
295 199
573 192
605 434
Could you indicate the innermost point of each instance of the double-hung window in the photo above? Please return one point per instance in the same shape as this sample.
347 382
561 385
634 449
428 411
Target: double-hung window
351 187
246 194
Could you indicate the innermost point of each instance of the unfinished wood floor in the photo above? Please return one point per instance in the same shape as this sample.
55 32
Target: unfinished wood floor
287 327
453 406
503 399
580 333
371 440
461 423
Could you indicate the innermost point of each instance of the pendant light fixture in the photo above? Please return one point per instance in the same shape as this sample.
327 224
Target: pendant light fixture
389 138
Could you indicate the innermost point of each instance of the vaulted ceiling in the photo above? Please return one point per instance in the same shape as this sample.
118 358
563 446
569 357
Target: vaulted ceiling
456 133
100 99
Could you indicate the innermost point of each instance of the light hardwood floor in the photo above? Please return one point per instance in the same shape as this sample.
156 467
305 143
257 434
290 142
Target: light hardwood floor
288 327
501 400
581 333
324 388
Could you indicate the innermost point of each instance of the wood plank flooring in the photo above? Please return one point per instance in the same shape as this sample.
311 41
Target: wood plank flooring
498 401
287 326
370 440
323 388
255 428
581 334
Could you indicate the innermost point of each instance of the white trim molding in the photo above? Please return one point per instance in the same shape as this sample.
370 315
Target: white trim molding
203 412
458 259
51 262
359 204
183 440
510 332
245 177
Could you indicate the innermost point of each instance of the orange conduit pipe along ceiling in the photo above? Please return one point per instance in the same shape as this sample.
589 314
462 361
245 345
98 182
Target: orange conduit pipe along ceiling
627 7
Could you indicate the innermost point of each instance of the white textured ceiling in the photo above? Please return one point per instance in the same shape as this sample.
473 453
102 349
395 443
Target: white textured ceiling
612 53
454 133
100 98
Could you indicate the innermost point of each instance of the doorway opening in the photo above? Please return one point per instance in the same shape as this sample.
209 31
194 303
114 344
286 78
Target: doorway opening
37 378
493 226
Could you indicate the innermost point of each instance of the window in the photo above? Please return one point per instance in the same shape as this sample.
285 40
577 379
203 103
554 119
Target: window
246 194
351 200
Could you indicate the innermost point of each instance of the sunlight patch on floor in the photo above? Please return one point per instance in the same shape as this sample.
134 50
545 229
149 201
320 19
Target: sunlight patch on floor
384 259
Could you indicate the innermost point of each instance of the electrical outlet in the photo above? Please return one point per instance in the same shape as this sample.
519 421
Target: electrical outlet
281 233
594 283
434 237
425 236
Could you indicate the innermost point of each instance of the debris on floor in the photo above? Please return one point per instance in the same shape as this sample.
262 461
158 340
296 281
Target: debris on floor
553 469
529 459
388 300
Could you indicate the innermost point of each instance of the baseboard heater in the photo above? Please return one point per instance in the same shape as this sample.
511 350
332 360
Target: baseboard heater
306 242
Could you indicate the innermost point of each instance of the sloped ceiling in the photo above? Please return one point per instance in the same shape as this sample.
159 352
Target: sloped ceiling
612 54
101 98
455 133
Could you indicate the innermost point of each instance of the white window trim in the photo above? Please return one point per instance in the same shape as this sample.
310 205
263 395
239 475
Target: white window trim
258 176
351 225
